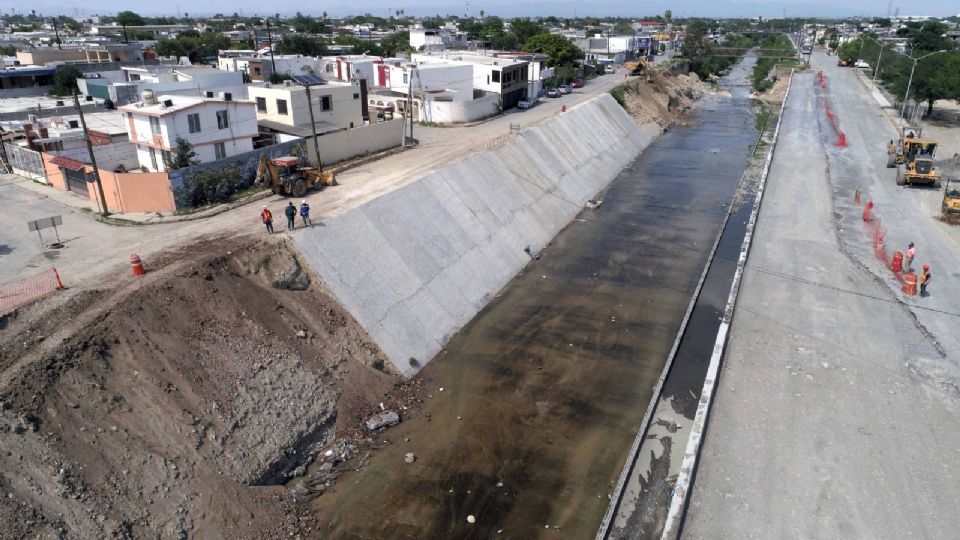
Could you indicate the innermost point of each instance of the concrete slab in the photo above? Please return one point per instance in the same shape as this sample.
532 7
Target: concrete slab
837 414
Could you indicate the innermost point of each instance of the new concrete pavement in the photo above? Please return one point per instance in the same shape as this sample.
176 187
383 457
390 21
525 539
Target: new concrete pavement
838 409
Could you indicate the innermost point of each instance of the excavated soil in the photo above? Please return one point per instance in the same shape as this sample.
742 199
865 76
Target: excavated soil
662 98
178 404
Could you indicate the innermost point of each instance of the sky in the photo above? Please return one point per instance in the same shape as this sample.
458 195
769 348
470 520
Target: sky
505 8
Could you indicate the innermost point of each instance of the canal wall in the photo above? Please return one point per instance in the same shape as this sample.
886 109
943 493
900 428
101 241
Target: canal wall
416 264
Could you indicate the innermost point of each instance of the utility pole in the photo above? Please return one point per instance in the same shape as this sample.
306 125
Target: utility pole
313 128
57 33
877 68
93 158
906 94
273 64
409 106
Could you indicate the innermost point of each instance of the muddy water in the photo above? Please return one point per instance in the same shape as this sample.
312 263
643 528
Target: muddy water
545 389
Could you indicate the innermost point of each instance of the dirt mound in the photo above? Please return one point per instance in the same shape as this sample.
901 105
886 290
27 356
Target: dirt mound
153 409
662 98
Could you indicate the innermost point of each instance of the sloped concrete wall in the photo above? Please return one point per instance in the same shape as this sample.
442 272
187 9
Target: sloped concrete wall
416 264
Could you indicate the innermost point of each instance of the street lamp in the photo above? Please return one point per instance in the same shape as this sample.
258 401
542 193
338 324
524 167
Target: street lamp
910 80
876 68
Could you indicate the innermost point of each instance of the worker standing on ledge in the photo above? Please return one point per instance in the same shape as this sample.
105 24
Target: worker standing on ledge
291 213
267 216
925 278
305 213
911 253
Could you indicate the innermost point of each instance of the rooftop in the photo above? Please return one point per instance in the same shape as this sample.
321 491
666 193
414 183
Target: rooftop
30 105
177 104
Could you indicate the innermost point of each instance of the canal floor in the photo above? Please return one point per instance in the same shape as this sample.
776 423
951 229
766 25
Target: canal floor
545 389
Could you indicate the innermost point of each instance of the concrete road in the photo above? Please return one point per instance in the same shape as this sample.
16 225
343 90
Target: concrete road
95 249
838 410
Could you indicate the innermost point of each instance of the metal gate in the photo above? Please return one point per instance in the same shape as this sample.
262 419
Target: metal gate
76 181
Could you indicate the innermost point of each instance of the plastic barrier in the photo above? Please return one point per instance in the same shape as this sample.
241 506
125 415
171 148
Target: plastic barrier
867 209
896 264
910 284
26 290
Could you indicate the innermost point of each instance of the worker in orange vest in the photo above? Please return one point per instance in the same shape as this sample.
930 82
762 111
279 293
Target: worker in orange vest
267 216
925 278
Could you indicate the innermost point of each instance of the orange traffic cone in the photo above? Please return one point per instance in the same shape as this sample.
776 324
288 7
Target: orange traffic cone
842 140
136 265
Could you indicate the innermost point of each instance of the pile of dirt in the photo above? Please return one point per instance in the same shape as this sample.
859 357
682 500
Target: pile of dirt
179 404
661 97
775 94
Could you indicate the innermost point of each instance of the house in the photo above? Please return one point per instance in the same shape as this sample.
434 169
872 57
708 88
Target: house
125 85
26 80
113 52
260 69
159 31
436 39
506 77
282 108
615 49
216 128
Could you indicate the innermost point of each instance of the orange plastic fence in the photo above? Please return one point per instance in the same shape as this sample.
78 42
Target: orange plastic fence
26 290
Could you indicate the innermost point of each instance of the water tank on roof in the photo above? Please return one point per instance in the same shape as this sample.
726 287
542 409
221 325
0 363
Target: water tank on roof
148 97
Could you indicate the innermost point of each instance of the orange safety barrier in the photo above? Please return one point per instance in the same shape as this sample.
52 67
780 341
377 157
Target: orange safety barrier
842 140
867 209
26 290
896 264
136 265
910 284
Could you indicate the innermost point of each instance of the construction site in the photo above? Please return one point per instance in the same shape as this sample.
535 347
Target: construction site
522 333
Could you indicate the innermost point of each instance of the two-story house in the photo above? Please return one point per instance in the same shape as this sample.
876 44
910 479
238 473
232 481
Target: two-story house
216 127
282 108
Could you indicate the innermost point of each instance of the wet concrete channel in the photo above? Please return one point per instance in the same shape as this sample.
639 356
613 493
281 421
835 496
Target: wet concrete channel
545 389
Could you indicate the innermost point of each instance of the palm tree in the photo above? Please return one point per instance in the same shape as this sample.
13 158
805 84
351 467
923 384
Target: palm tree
481 13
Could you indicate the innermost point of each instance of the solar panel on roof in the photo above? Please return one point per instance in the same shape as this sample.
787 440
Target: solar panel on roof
308 79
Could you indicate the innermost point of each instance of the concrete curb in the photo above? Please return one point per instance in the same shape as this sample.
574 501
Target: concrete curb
681 493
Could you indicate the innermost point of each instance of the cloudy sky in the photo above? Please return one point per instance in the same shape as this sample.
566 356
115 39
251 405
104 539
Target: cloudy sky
508 8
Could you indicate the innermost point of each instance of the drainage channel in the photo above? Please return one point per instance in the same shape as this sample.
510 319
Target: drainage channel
654 489
545 388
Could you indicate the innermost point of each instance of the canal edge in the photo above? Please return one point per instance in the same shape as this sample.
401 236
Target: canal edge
633 455
681 493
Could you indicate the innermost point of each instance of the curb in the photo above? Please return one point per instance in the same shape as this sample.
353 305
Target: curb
681 494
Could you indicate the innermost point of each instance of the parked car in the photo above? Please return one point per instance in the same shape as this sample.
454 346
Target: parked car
862 64
609 68
526 103
553 92
577 83
564 89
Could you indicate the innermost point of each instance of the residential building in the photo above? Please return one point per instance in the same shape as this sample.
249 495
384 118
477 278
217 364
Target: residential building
506 77
282 108
159 31
216 128
610 49
260 69
113 52
125 85
26 80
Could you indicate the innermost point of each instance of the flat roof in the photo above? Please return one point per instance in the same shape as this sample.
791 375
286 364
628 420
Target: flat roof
29 105
301 130
179 103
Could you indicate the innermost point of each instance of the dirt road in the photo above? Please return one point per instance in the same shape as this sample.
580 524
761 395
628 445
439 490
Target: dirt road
95 249
837 413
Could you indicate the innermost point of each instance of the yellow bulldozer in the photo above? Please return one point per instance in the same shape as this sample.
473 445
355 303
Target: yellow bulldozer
913 156
951 199
286 176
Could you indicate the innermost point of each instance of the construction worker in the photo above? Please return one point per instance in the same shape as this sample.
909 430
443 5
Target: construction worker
291 213
305 213
908 260
267 216
891 149
925 278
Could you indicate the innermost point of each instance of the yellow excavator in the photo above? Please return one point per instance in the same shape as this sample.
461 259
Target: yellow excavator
951 198
640 67
913 156
286 176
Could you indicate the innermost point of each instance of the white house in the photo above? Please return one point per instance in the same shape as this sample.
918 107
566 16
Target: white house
216 127
282 108
506 77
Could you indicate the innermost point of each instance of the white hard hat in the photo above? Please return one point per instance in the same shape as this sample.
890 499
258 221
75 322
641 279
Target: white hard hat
303 201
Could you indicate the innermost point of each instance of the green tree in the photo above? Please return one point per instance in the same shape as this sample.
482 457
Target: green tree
395 43
357 45
668 16
931 37
882 22
65 81
129 18
305 23
623 28
525 29
181 157
559 50
935 78
193 45
297 44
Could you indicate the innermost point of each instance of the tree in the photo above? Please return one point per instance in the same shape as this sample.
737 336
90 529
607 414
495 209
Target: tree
193 45
559 50
181 157
623 28
357 45
129 18
935 78
931 37
65 81
882 22
668 16
395 43
525 29
296 44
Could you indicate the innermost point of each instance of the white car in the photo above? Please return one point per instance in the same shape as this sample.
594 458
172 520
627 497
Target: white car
861 64
609 68
526 103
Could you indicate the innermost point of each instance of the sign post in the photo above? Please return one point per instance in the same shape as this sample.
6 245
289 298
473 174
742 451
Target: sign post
52 221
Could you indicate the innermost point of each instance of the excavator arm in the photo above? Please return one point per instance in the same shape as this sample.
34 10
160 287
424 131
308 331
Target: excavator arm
268 174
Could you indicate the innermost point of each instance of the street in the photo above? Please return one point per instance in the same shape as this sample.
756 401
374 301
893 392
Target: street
836 414
94 249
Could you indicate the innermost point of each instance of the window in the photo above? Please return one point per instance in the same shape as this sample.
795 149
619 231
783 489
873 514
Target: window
256 71
165 155
281 106
326 103
356 96
404 78
223 121
155 125
194 121
153 159
219 151
496 76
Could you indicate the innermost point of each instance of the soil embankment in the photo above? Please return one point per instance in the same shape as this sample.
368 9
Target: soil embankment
170 397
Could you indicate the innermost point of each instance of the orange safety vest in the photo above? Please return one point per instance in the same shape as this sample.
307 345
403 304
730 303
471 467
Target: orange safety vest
924 278
266 215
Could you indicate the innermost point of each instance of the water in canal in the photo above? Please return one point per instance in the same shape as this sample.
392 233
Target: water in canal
545 389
